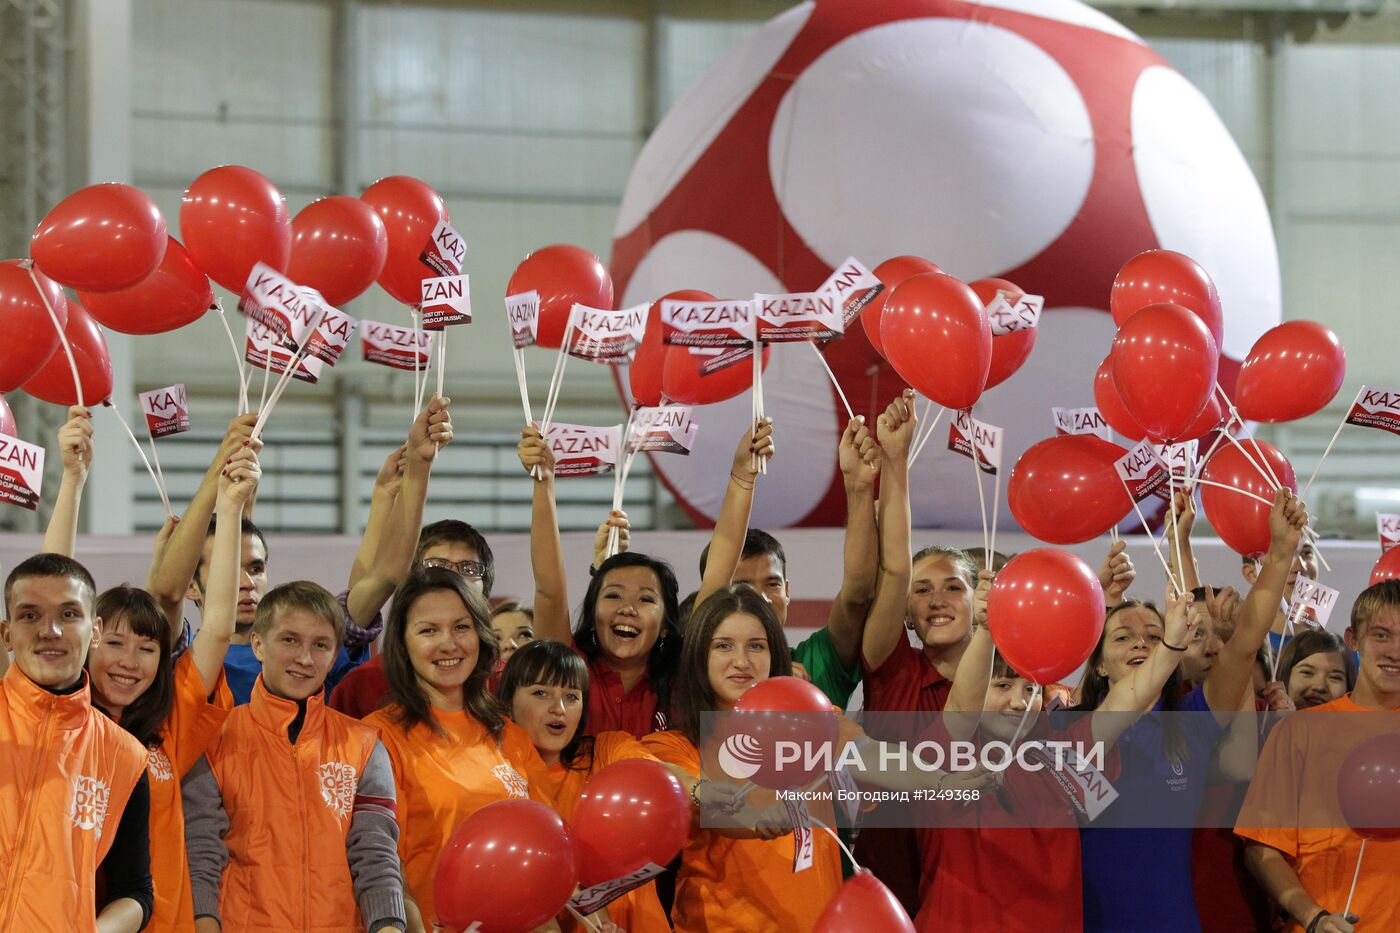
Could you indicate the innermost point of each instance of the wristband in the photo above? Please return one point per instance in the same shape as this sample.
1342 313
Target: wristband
695 793
742 483
1171 647
1312 926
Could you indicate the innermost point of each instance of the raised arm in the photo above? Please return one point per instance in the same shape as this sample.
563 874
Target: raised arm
1116 573
1139 691
546 551
171 575
381 502
75 447
885 625
393 558
1184 505
1234 667
237 485
974 667
859 457
732 525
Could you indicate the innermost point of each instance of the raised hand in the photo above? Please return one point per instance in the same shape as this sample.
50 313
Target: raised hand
1184 617
985 578
431 431
1224 609
859 454
390 475
895 428
1287 518
238 482
615 519
535 455
1116 573
1184 507
1276 698
75 442
755 446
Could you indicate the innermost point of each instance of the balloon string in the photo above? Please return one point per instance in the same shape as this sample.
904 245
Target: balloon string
267 368
1335 434
519 356
1355 875
160 474
285 379
1025 717
555 381
1287 634
996 507
581 918
442 360
922 430
1238 419
1176 529
981 501
417 342
1156 548
1201 464
237 359
832 376
62 337
919 446
854 864
164 498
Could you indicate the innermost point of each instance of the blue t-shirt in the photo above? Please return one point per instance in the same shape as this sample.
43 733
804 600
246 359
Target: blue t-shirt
241 669
1140 879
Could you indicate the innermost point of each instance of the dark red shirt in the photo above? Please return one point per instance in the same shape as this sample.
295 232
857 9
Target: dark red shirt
614 709
362 691
906 682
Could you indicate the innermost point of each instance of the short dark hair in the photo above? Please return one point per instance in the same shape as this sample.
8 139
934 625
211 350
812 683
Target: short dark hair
1311 642
557 665
245 528
694 696
407 694
756 542
139 613
300 594
48 564
455 531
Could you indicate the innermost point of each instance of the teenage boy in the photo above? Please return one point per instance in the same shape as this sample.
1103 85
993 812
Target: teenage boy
1297 844
830 657
180 567
75 780
290 816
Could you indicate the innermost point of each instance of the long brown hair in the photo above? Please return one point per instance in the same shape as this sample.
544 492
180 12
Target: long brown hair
137 612
693 694
404 689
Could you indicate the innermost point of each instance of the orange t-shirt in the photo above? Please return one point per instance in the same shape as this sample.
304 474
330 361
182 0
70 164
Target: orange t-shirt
730 885
639 910
1292 807
443 779
194 722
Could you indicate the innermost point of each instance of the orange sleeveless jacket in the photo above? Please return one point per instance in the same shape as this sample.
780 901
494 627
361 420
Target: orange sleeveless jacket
289 810
66 772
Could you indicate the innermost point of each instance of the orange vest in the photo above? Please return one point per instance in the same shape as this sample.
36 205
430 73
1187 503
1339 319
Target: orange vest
289 809
66 772
193 723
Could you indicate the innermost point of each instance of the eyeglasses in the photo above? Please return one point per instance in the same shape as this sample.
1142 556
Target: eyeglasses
471 569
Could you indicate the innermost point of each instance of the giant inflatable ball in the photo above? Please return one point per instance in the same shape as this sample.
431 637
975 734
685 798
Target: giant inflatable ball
1034 140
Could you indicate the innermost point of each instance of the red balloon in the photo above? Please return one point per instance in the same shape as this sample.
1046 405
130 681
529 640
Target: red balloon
30 337
631 813
564 276
1164 366
1111 406
1046 613
232 218
1292 371
176 294
1011 350
1387 568
102 238
863 903
1368 787
683 383
7 419
891 272
644 376
1243 522
410 211
937 338
511 866
1208 420
339 246
782 710
1160 275
1065 489
54 381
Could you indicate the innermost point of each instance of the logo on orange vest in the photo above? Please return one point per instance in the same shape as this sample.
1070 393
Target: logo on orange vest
88 808
159 766
338 787
514 784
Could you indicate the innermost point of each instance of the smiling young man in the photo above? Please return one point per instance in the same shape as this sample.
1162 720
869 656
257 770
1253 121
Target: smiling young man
289 817
76 781
1297 845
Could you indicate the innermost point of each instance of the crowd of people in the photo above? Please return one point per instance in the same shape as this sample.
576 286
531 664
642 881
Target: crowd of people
299 759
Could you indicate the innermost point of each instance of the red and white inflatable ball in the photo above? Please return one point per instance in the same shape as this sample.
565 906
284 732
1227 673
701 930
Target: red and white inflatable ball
1034 140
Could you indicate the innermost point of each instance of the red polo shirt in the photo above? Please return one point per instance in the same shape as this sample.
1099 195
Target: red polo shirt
614 709
906 682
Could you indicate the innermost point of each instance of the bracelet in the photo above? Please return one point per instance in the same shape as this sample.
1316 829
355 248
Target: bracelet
1171 647
695 793
742 483
1312 927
